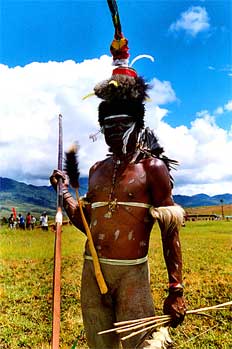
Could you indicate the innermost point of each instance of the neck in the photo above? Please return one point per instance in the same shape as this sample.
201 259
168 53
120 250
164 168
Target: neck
124 157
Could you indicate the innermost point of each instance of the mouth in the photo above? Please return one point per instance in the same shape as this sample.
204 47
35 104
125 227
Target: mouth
118 135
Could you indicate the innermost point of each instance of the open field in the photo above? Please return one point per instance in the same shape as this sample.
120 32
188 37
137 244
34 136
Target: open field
26 272
217 209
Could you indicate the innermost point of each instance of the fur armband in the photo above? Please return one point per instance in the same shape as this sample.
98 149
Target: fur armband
170 217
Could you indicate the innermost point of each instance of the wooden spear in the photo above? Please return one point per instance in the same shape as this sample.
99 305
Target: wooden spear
71 166
57 248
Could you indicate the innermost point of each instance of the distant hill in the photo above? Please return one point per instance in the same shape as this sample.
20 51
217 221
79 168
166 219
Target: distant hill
36 199
29 198
202 200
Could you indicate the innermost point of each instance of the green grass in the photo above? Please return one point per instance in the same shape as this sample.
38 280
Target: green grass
26 272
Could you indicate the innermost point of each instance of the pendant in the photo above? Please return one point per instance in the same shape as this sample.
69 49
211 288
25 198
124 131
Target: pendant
108 214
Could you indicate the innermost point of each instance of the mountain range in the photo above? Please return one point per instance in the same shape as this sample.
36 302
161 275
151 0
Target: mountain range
27 197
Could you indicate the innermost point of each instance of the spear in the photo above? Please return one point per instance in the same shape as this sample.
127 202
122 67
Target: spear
57 248
71 167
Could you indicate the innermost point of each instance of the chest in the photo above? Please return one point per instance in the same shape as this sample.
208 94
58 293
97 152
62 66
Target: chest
127 183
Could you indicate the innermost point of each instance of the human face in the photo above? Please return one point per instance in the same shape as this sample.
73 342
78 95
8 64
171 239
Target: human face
115 128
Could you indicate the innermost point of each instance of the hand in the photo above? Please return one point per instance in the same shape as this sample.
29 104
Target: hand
175 306
56 175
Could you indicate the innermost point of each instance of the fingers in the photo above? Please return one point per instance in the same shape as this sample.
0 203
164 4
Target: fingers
177 320
175 306
56 175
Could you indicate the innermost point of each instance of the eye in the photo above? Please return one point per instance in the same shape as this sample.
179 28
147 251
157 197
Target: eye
125 124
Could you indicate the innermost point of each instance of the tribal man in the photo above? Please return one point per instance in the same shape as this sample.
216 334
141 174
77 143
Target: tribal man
127 190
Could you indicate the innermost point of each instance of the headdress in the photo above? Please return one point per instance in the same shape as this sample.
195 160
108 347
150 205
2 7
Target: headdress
125 92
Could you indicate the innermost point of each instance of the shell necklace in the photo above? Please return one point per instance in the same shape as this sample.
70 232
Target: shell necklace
111 199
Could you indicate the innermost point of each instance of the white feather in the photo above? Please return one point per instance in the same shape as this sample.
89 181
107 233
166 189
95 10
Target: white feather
140 57
160 340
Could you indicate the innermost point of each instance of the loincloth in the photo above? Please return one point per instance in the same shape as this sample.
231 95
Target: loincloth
129 297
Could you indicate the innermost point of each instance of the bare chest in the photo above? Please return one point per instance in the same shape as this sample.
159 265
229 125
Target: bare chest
125 183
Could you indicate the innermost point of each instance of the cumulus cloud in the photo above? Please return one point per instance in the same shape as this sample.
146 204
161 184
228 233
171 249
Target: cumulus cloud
193 21
202 151
223 109
33 96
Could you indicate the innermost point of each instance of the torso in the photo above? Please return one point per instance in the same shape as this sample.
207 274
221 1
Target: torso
125 232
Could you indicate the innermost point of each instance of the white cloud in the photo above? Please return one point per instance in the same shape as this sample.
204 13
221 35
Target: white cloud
32 98
34 95
202 151
228 106
193 21
219 111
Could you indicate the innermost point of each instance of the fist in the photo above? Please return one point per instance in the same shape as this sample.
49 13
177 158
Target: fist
56 176
175 306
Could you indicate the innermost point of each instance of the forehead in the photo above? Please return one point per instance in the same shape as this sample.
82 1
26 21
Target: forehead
111 119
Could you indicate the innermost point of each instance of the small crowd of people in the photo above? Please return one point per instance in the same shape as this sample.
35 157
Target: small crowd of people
29 222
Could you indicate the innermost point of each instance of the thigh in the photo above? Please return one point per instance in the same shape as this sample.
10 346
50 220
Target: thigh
134 299
97 311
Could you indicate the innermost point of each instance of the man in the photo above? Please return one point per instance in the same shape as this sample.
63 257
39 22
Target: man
21 222
123 188
28 221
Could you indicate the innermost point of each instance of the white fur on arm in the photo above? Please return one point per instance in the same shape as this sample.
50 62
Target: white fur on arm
170 217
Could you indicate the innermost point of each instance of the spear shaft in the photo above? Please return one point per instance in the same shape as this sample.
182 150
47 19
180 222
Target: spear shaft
57 248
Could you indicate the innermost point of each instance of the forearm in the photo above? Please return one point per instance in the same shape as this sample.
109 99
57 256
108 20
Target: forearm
172 255
72 209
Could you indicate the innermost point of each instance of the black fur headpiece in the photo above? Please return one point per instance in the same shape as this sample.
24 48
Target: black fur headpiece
123 93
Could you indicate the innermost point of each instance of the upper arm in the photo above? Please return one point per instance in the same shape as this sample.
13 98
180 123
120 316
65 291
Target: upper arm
159 183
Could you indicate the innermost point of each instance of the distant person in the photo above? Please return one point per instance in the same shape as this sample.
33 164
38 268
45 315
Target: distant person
44 221
11 221
33 221
40 220
21 222
28 221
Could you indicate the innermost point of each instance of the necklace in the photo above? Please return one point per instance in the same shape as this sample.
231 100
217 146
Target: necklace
113 202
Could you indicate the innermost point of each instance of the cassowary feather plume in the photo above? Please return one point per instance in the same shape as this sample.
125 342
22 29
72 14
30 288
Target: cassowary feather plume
71 166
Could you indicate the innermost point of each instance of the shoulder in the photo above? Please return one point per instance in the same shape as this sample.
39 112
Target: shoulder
159 181
98 165
155 166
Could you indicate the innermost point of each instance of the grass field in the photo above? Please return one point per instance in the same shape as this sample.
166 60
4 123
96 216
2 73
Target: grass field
26 272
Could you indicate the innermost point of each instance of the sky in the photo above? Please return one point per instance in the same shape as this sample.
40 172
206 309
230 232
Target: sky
53 53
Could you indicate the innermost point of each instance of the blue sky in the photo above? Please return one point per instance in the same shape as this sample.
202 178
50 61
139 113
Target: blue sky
192 74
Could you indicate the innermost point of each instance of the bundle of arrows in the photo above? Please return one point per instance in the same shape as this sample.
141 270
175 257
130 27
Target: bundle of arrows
149 324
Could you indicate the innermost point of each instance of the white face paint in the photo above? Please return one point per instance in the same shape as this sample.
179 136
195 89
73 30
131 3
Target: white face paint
126 136
118 127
